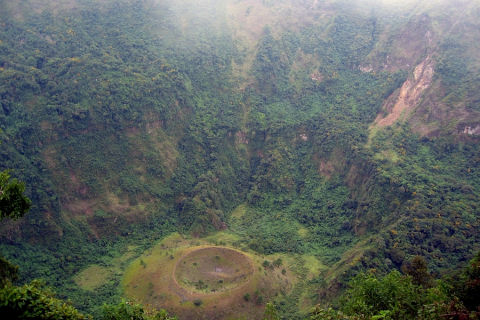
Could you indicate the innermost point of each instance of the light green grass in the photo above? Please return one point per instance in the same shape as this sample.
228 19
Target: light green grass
302 232
160 279
388 155
92 277
239 211
313 265
223 237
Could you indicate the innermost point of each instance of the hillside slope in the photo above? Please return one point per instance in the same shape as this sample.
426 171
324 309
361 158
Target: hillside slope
344 132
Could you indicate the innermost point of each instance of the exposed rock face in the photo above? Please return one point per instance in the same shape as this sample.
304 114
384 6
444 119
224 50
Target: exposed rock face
400 104
472 130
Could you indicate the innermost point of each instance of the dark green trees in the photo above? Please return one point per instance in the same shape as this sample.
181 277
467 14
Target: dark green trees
131 311
13 203
393 295
34 301
414 295
418 270
469 285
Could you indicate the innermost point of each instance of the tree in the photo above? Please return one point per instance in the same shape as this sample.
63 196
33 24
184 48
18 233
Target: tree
319 313
123 310
34 301
8 272
270 312
393 296
470 289
13 203
418 270
130 311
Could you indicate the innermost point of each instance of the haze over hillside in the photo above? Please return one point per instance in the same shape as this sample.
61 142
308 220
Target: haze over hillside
337 136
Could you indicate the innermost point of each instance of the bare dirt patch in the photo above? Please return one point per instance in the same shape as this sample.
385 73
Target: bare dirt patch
402 102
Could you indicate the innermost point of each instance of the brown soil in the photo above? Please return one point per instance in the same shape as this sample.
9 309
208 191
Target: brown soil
401 103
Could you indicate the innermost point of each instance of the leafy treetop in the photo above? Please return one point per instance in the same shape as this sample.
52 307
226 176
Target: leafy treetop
13 203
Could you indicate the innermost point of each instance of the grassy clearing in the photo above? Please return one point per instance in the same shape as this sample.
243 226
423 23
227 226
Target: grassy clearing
314 266
183 275
213 269
223 238
179 274
239 211
349 259
92 277
302 232
387 155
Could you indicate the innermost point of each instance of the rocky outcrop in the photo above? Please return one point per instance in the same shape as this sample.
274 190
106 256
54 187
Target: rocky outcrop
400 104
472 130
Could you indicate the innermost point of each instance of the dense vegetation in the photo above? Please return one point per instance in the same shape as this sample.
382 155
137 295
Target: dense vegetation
129 120
409 296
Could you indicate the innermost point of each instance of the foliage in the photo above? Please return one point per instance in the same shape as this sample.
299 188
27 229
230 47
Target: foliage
433 184
319 313
397 296
8 272
34 301
13 203
270 312
130 311
393 296
127 125
468 286
417 269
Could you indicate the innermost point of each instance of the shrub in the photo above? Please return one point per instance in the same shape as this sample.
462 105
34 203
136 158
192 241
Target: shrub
34 301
